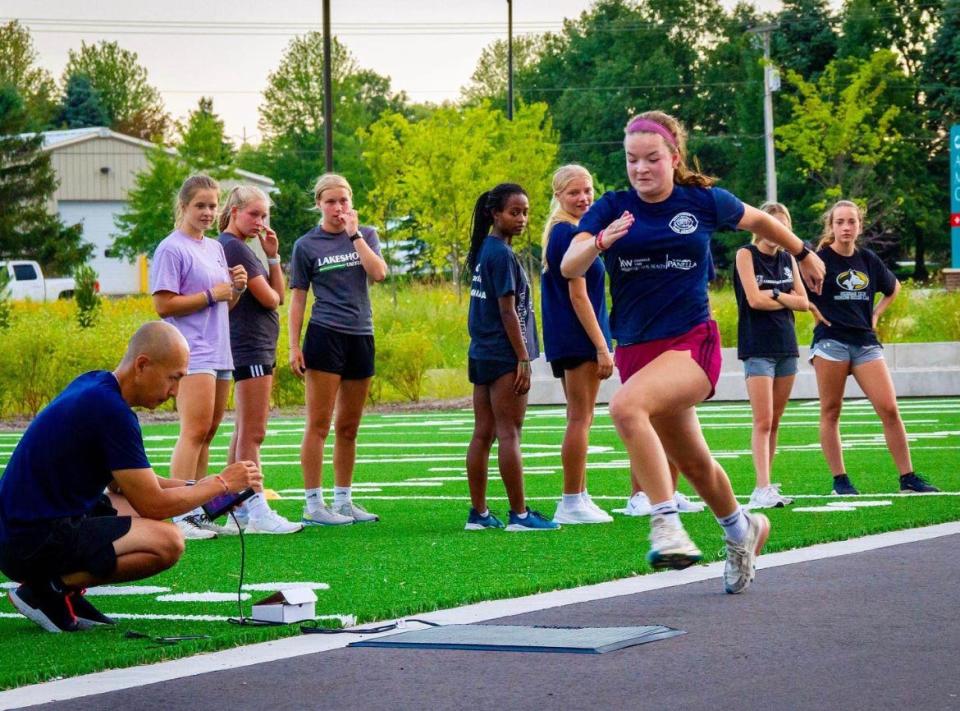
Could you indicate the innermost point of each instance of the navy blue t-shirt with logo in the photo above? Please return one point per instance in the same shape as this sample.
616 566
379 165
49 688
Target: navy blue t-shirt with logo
765 334
563 334
658 270
849 288
68 454
498 273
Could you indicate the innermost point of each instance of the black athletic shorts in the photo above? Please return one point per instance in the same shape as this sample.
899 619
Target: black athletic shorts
348 355
245 372
66 545
561 364
484 372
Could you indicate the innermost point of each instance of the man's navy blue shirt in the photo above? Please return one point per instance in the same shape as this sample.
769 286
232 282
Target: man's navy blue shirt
68 454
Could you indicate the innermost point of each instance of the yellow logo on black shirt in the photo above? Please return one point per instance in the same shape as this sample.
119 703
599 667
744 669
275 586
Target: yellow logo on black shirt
853 280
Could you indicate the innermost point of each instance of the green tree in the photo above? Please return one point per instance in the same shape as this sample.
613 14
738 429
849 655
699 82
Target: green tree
448 159
81 105
805 41
149 214
903 25
18 68
27 182
133 105
489 80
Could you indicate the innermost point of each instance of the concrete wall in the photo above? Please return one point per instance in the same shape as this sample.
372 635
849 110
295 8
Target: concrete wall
918 370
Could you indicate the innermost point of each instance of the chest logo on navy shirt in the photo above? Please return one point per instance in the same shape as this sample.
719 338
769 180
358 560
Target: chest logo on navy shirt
853 280
683 223
334 262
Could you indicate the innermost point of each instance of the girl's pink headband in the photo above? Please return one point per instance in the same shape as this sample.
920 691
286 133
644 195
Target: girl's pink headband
648 126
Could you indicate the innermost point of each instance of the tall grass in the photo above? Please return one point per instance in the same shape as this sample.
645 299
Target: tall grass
421 339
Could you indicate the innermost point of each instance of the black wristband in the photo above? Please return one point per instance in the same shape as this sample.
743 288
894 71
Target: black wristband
775 294
803 253
355 237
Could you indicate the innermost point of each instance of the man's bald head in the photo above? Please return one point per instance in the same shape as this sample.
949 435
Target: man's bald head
157 357
159 341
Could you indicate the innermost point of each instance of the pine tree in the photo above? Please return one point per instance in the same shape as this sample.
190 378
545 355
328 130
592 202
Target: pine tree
81 105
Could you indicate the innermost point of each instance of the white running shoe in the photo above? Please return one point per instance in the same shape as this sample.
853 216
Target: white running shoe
324 516
670 546
638 505
685 505
357 513
229 527
271 523
192 531
579 513
585 497
768 497
741 566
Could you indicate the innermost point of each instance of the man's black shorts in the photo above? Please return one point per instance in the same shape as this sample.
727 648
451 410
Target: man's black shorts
345 354
66 545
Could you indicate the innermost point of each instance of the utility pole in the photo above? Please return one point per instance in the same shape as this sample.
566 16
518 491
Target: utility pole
771 83
327 89
510 60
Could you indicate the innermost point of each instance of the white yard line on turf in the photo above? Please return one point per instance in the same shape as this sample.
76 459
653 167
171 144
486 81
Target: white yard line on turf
114 680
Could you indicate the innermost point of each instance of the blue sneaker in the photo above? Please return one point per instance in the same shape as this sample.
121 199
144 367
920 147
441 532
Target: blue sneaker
476 522
533 522
842 486
916 483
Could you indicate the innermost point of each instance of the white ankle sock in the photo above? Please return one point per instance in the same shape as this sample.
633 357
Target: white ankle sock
314 499
256 506
341 495
735 525
572 499
668 510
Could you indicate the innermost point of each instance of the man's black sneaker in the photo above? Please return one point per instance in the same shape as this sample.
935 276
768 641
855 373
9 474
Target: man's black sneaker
912 482
48 609
87 614
843 486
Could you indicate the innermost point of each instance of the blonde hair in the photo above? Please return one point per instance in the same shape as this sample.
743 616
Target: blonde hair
239 197
826 236
328 181
682 175
774 208
562 177
191 186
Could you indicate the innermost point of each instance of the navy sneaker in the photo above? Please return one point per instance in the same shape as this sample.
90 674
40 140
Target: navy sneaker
534 521
47 608
843 486
476 522
912 482
87 614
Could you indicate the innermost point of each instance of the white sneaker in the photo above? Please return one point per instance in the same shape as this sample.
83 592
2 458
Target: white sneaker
585 497
191 530
670 546
768 497
271 522
579 513
741 566
357 513
638 505
685 505
324 516
229 527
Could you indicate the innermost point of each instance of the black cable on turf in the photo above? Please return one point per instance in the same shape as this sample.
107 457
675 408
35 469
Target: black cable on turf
240 619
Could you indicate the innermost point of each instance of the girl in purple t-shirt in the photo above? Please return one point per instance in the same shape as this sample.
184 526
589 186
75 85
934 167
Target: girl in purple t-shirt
194 289
655 243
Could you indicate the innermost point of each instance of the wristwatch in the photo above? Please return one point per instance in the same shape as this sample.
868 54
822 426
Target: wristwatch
803 253
355 237
775 294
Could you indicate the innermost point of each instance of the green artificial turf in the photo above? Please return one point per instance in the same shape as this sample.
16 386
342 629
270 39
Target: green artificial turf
419 558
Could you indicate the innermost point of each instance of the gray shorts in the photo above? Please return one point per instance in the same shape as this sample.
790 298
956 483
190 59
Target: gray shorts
770 367
218 374
838 351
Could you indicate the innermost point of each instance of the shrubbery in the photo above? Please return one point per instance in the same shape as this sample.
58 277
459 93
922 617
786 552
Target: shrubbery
421 342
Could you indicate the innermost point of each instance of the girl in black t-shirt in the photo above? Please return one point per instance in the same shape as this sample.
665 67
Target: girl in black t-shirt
845 342
768 293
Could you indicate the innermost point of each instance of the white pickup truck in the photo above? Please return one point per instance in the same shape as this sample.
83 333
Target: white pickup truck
27 282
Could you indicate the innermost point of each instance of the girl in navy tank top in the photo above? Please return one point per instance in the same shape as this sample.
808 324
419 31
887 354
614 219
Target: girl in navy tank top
768 293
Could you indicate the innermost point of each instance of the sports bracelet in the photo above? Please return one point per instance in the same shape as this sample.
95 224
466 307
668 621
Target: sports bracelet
226 489
209 294
273 260
598 242
803 253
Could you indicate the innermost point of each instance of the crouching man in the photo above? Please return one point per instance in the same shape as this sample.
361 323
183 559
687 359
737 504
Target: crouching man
59 532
